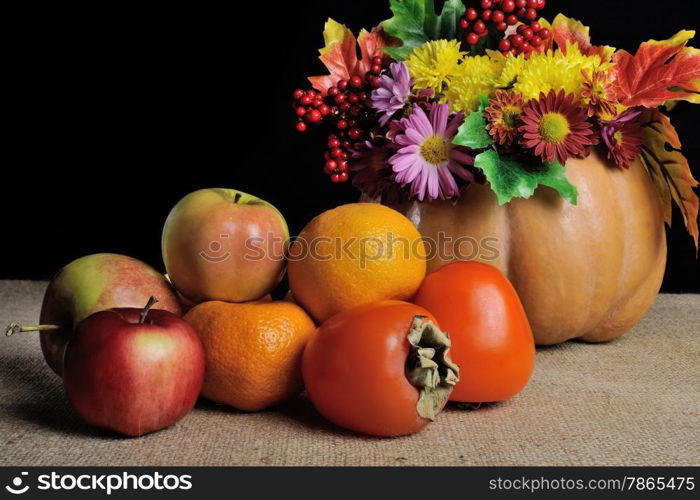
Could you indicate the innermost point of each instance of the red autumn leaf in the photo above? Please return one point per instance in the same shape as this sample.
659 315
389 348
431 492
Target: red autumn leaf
659 72
669 169
340 54
371 44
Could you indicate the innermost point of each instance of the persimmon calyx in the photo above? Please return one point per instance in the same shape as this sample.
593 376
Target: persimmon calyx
429 367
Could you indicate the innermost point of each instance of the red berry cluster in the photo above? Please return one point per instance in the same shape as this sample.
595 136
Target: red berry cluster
500 14
309 107
528 38
347 105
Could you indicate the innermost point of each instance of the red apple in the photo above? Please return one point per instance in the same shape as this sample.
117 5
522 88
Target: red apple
133 371
91 284
222 244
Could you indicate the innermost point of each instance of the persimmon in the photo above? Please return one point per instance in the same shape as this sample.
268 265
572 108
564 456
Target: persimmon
492 340
381 369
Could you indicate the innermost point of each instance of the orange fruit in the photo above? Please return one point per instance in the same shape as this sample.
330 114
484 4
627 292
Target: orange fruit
252 351
353 255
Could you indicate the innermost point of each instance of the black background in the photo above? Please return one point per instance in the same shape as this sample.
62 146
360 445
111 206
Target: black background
117 112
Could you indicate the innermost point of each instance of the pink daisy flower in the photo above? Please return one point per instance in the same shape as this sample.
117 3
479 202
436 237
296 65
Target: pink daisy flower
392 93
426 159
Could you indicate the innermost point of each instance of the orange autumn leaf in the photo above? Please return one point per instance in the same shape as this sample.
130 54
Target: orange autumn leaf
669 169
659 72
567 30
340 54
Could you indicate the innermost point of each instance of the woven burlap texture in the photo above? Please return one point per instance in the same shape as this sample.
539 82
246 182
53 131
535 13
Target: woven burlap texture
633 401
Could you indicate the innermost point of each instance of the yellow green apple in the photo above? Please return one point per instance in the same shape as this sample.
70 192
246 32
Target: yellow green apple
223 244
91 284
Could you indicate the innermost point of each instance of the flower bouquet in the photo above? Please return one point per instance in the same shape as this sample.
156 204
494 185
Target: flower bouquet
456 118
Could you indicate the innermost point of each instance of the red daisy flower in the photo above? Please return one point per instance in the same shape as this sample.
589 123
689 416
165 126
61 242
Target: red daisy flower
503 115
372 173
555 127
598 94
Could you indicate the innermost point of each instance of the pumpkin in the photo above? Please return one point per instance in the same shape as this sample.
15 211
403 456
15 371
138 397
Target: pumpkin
589 271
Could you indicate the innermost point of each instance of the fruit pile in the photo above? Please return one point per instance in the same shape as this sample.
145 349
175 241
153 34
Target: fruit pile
379 347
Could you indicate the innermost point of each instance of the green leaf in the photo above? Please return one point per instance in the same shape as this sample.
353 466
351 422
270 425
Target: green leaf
510 180
415 22
472 133
484 99
554 176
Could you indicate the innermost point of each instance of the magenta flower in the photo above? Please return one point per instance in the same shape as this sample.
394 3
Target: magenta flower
622 137
427 160
392 93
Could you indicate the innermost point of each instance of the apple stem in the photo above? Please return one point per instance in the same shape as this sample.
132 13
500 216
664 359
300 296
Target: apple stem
17 328
151 302
237 197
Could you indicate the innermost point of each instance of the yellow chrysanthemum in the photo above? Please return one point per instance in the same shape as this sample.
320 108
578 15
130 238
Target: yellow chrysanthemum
432 62
553 71
512 67
475 76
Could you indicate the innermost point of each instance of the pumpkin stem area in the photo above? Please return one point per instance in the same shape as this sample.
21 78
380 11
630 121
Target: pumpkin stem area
429 367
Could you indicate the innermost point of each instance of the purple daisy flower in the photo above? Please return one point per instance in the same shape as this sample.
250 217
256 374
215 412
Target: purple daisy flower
392 93
427 160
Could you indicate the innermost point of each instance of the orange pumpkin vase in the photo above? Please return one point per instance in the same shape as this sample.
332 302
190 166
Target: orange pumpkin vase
589 271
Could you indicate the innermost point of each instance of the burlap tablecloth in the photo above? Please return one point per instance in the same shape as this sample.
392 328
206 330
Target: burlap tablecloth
633 401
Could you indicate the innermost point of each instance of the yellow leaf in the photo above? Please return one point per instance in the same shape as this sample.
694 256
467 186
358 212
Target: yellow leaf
567 30
679 38
334 32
